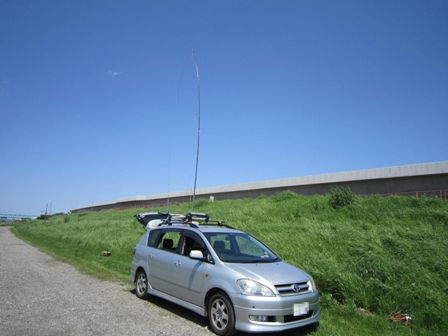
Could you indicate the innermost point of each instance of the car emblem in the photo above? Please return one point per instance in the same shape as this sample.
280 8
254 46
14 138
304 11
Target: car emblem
296 288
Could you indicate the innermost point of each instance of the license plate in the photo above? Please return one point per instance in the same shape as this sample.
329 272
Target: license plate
301 308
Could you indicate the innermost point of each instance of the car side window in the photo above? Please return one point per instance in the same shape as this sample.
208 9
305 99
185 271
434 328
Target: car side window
153 237
169 241
192 242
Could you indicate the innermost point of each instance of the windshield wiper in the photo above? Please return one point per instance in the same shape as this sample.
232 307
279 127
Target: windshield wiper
265 261
268 260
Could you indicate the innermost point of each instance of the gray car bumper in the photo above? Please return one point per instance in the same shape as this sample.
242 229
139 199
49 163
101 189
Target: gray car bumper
279 312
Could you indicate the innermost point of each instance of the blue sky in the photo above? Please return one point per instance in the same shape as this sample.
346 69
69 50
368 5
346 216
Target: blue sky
98 98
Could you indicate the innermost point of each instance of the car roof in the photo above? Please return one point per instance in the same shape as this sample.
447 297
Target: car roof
202 228
216 228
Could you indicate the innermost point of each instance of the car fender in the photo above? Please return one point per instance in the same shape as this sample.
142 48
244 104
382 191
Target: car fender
225 284
135 267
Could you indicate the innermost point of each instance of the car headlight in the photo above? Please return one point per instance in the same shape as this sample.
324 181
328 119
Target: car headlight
250 287
312 284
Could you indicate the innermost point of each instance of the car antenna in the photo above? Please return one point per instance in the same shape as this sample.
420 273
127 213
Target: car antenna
168 199
199 128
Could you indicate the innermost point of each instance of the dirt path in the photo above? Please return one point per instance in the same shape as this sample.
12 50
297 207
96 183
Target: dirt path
42 296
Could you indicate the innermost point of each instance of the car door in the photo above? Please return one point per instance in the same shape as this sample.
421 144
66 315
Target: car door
190 274
141 254
162 259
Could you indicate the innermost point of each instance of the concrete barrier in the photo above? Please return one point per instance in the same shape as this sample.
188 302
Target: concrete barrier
429 179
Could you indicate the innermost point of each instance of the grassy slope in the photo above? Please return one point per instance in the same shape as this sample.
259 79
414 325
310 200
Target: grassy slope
382 254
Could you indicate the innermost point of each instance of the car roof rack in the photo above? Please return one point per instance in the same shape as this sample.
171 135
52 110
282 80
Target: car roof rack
192 219
177 219
193 225
196 216
219 223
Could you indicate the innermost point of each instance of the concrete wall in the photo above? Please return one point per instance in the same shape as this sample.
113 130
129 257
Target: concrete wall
423 179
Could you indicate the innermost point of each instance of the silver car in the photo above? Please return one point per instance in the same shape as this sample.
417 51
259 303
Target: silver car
224 274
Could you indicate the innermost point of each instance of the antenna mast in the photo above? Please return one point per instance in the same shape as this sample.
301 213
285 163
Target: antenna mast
199 128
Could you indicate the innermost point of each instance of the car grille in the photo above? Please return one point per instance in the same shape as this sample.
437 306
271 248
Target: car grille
293 289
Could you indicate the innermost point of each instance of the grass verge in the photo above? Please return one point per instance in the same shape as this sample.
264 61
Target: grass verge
374 257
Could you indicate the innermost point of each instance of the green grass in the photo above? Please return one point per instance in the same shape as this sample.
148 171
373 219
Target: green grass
383 254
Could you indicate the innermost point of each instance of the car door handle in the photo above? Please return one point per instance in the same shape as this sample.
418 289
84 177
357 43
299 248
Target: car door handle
177 263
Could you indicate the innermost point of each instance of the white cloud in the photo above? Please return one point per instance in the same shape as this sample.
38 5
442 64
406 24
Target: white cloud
113 74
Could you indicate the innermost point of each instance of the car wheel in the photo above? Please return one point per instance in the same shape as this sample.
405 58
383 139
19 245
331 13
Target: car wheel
221 315
141 285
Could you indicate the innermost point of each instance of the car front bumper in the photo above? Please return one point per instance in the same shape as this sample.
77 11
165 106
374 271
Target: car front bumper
278 312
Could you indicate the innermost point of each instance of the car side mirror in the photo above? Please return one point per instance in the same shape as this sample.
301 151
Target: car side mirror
196 254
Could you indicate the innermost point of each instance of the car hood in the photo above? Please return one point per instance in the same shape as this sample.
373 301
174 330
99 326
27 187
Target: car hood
275 273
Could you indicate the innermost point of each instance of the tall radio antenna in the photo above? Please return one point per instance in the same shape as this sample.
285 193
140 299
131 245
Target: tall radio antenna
199 127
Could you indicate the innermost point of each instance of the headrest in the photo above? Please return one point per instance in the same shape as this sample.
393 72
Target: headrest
167 243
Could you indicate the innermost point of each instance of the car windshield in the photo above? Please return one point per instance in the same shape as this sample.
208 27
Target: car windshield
239 247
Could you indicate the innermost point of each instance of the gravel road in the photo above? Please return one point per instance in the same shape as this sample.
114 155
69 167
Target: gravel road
42 296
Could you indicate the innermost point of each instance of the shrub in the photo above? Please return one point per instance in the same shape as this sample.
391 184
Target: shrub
201 202
341 196
285 195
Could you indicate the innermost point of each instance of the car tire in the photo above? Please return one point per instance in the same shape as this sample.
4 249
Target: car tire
141 285
221 315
